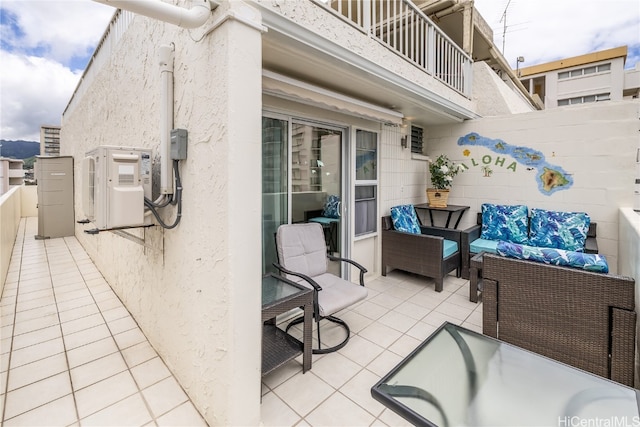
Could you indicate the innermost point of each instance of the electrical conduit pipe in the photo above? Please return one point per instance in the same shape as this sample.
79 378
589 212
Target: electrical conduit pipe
166 56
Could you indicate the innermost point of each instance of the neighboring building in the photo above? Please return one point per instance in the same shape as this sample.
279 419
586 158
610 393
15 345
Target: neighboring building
594 77
287 103
49 140
11 174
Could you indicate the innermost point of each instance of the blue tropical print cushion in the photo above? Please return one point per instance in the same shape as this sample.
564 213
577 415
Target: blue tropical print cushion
404 219
562 230
505 222
332 207
590 262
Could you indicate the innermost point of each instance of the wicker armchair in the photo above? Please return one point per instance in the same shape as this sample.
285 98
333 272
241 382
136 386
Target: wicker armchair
419 253
581 318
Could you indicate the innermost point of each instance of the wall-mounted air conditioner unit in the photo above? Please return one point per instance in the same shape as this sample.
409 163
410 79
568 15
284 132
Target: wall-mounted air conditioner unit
115 181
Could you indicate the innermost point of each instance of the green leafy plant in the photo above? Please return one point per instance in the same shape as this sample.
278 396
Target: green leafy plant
442 172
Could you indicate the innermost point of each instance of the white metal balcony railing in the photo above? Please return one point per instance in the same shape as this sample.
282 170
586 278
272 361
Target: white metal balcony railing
402 27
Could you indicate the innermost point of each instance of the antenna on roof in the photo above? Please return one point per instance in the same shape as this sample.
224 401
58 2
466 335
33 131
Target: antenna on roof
504 25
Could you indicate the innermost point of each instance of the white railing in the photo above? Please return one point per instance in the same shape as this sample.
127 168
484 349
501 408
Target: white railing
402 27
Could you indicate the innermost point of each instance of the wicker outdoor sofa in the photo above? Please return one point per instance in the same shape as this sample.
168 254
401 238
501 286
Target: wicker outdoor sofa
472 233
581 318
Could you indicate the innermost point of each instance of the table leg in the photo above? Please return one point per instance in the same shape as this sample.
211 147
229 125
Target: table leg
473 284
449 219
307 337
459 218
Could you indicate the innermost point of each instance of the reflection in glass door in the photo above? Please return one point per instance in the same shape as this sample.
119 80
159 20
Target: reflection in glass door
274 186
316 184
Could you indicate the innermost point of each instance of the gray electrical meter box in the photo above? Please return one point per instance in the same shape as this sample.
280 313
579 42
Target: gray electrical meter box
178 149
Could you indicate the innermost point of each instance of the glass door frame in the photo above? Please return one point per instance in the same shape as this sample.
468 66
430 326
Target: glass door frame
345 178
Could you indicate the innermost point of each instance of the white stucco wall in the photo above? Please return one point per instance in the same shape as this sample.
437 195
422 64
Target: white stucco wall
196 294
594 143
492 96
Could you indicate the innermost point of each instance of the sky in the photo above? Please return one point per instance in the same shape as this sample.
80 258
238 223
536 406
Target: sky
546 30
46 44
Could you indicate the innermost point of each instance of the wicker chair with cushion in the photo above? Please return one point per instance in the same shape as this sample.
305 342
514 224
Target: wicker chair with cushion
579 317
303 258
427 251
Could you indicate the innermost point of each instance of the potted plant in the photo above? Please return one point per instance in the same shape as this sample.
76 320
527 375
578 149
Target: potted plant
442 171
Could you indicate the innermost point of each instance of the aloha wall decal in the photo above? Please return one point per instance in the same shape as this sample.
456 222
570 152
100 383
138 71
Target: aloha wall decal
550 178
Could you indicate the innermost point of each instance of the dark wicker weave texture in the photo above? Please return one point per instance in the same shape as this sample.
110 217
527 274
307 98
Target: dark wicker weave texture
580 318
419 253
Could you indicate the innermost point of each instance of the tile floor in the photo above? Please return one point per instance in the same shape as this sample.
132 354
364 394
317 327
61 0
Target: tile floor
399 313
71 354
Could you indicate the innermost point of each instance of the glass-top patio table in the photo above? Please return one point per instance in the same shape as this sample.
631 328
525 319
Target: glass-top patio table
458 377
279 295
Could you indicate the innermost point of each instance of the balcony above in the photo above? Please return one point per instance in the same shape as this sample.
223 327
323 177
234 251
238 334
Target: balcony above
387 53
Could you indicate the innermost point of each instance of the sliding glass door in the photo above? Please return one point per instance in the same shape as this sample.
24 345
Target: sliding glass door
302 181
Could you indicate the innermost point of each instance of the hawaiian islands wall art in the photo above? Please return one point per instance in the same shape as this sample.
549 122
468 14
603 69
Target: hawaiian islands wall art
550 178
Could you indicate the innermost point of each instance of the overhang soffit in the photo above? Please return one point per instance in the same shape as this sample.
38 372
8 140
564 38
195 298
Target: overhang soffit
298 52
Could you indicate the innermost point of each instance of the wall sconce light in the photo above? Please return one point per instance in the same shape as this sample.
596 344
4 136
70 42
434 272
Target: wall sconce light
404 127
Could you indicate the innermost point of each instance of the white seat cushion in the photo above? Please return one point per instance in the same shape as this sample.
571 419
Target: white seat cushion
301 248
337 293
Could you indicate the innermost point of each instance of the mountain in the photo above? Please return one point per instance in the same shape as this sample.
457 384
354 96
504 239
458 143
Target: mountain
19 149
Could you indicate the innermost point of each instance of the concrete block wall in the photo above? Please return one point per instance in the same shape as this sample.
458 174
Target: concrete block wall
595 144
403 176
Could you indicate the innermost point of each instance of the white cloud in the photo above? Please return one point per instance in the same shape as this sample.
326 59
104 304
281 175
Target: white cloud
547 30
37 78
34 93
63 29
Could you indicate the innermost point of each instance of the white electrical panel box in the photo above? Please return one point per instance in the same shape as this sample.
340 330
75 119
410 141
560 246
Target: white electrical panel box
115 181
